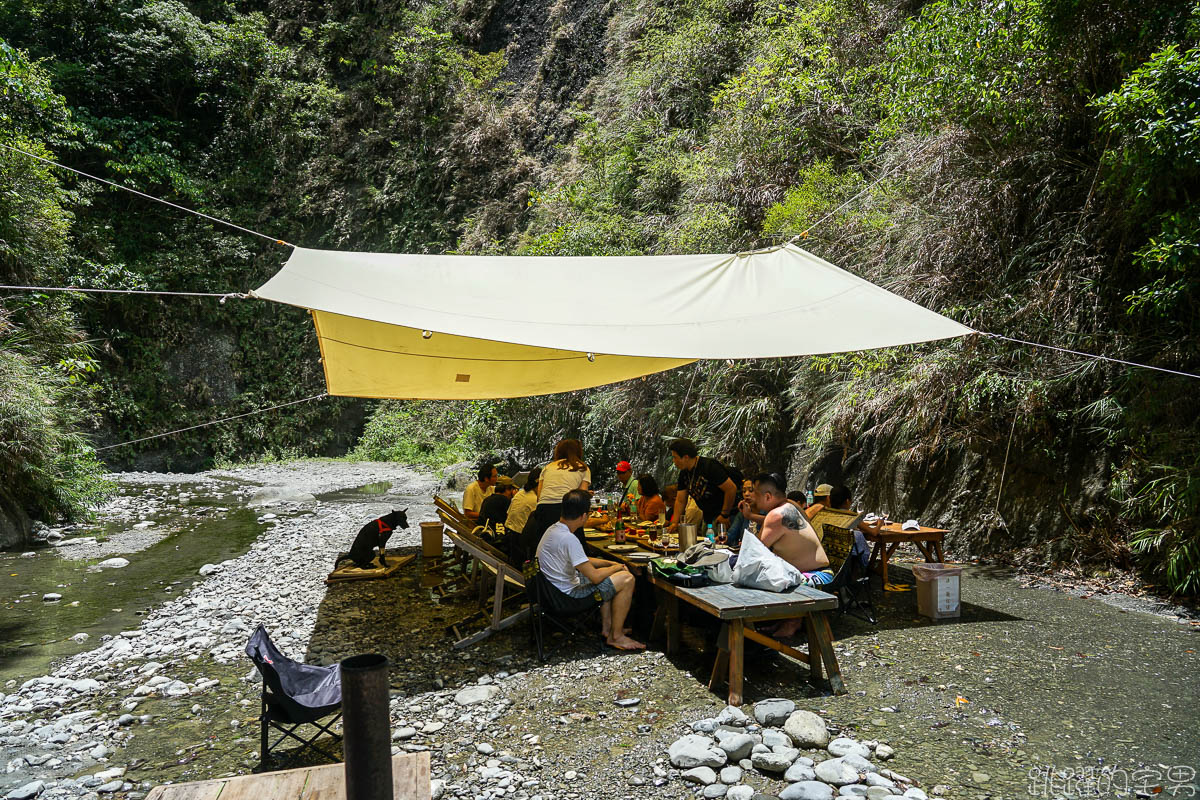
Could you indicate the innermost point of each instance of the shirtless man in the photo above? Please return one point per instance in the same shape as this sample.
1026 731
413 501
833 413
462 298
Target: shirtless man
790 536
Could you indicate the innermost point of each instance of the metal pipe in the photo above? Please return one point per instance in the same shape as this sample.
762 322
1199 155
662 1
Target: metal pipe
366 729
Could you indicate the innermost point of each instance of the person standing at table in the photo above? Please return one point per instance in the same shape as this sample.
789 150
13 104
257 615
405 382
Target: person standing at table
704 480
479 489
565 472
628 486
650 501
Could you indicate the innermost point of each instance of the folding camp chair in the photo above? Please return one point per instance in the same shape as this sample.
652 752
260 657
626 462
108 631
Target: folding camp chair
546 602
851 582
294 694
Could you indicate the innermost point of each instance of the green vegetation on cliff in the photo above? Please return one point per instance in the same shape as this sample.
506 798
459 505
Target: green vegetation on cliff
1026 166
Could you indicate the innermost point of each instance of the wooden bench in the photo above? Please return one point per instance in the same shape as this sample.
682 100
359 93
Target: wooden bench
410 781
461 532
739 609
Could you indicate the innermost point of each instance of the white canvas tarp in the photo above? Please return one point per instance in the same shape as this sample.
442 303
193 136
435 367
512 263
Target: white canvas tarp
470 327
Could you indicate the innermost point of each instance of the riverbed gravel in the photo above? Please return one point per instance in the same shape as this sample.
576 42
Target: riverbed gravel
933 710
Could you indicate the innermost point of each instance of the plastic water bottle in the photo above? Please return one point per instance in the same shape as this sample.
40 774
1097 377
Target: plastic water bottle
810 496
712 537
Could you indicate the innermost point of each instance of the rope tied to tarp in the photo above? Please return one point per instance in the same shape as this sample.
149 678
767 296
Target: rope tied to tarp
216 421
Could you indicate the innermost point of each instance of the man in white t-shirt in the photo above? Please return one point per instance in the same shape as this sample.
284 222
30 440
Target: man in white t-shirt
479 489
587 580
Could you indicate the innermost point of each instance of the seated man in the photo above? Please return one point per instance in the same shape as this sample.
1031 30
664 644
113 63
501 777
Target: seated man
820 500
840 498
494 511
790 536
478 489
799 499
594 580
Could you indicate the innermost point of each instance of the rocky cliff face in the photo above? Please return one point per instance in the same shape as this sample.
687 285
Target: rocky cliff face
15 525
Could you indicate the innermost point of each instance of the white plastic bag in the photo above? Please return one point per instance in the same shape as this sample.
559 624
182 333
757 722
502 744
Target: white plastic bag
759 568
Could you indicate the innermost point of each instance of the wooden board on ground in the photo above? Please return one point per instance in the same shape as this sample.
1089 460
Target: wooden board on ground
349 572
410 781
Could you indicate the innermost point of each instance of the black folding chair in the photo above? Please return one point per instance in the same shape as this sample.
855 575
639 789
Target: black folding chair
294 694
546 602
851 582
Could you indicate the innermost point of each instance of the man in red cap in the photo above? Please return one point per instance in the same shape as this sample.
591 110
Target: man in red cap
628 486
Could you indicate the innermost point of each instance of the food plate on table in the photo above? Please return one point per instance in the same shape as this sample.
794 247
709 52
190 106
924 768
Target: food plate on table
592 533
641 555
623 548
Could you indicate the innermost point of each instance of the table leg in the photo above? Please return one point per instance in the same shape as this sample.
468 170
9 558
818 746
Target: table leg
658 626
720 670
875 551
925 550
814 649
827 655
736 653
937 548
673 632
887 554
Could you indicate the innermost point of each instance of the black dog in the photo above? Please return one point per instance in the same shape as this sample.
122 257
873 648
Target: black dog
373 535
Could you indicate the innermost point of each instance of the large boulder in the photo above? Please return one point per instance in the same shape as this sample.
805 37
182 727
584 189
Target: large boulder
274 495
695 751
807 790
773 711
736 745
806 729
837 772
771 762
701 775
476 694
843 746
15 525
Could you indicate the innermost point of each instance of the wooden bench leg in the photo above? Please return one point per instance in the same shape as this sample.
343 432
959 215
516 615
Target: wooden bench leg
498 600
825 642
736 660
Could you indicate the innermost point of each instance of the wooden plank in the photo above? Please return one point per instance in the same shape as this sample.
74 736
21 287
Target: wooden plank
352 573
410 781
326 783
410 776
197 790
775 645
286 785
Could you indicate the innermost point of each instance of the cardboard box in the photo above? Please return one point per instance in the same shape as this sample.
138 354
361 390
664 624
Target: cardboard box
937 590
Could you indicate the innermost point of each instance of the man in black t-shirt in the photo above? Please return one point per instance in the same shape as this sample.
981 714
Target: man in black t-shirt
705 481
494 510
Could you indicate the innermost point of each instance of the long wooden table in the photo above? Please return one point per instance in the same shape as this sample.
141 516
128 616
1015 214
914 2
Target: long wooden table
927 540
410 781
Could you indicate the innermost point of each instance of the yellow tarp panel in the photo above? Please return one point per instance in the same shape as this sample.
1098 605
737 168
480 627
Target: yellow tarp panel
363 358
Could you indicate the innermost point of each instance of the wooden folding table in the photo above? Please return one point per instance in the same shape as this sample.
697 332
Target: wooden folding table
739 609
